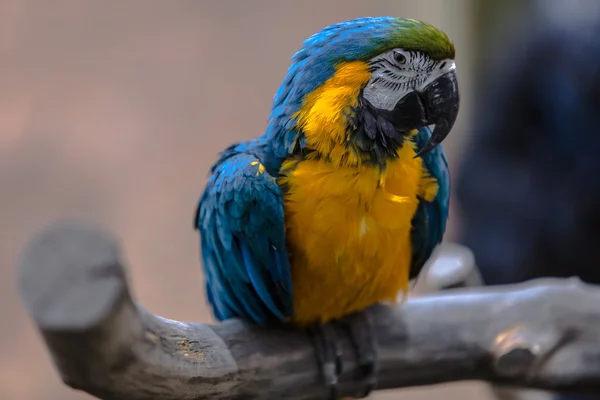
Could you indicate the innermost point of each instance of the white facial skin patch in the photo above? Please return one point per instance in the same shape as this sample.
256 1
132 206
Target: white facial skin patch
397 73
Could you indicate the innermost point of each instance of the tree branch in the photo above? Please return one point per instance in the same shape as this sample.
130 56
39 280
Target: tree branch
543 334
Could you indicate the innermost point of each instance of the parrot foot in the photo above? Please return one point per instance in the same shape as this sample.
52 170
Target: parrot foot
329 352
329 355
362 334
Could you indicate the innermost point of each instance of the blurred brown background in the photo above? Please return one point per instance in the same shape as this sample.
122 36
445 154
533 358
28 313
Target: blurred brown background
114 111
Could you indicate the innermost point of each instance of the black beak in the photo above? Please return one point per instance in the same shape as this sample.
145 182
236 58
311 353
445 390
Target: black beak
440 101
435 104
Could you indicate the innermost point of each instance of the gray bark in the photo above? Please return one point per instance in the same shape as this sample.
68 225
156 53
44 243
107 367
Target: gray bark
542 334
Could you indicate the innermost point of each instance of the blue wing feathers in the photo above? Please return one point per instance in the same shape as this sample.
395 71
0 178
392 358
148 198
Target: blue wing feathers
259 283
240 219
429 222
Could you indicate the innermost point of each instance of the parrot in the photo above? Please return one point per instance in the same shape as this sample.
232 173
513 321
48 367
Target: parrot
344 197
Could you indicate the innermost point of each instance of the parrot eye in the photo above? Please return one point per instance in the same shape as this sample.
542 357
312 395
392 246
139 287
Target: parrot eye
399 58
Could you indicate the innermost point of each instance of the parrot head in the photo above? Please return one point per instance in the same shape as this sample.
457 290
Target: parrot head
357 89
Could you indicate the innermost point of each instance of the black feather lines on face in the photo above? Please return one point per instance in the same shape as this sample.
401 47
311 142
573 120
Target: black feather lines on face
372 135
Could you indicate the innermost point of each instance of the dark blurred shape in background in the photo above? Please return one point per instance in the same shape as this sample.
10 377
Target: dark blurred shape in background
529 186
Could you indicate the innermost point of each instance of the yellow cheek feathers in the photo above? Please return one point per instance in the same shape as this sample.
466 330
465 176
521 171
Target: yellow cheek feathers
322 116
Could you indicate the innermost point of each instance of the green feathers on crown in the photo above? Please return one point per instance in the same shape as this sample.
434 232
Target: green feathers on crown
411 34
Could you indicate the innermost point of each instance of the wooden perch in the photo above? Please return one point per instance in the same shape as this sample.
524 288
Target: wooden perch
543 334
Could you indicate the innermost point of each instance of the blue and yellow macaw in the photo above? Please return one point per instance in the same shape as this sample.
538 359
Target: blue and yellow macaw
344 197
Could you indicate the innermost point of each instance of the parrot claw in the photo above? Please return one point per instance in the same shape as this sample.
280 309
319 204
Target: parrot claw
329 355
329 352
360 327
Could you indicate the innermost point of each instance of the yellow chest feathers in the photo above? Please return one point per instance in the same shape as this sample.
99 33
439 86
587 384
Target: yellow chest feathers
348 231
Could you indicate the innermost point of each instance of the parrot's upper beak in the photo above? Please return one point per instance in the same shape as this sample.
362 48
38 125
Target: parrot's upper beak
440 101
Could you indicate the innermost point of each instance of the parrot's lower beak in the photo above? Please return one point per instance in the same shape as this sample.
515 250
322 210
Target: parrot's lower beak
440 101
